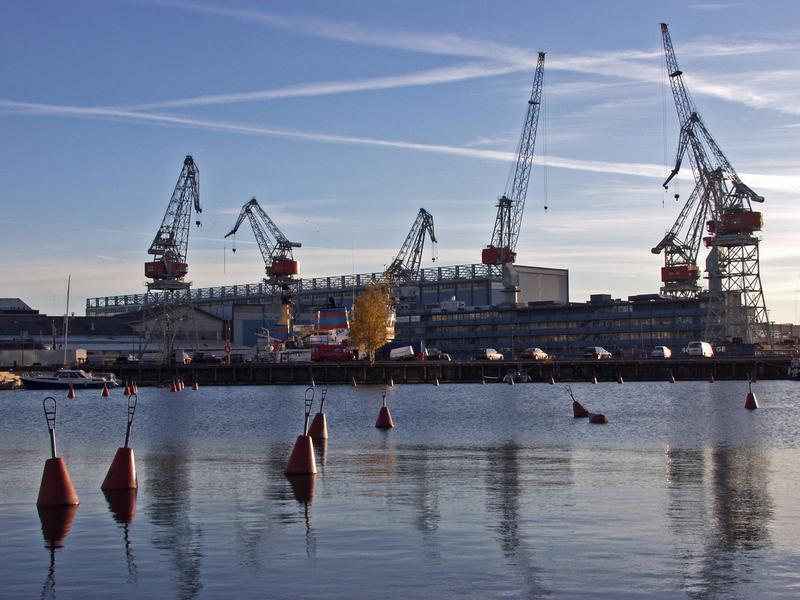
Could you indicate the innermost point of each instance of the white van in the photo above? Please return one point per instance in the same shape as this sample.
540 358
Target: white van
700 349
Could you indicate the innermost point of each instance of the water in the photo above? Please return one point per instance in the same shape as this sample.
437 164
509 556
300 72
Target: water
488 491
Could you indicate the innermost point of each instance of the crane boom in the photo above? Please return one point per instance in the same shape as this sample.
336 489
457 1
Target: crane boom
510 206
172 239
276 249
405 267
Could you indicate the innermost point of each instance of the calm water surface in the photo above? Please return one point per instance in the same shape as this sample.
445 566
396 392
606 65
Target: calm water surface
488 491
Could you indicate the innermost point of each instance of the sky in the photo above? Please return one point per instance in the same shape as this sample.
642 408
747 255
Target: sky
344 118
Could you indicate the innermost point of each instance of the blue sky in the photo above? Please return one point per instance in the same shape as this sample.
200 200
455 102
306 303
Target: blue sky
344 118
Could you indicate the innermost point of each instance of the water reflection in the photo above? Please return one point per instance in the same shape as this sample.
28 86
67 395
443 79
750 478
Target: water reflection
504 489
122 504
56 524
174 532
721 511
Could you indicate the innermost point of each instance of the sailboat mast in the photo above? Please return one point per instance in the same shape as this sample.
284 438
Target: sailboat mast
66 321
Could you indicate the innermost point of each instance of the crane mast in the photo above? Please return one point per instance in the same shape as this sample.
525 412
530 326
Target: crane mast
720 199
405 267
510 206
172 239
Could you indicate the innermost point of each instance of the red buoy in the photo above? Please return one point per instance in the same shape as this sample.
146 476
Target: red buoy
319 427
751 403
56 488
354 382
578 412
127 390
134 388
671 378
104 393
436 382
597 418
594 380
173 387
391 382
710 379
122 472
195 386
301 461
71 393
384 418
619 379
552 380
311 383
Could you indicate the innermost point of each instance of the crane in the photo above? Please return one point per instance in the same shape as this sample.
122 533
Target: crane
510 206
736 303
276 249
172 239
405 267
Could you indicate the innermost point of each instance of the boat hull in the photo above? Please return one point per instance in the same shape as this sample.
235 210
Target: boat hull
37 384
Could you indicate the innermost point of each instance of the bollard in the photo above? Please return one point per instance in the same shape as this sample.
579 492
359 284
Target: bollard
122 472
319 426
301 461
56 488
384 416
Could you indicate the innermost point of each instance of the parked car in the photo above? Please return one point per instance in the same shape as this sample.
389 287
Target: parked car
487 354
660 352
205 358
699 349
535 354
436 354
126 358
597 352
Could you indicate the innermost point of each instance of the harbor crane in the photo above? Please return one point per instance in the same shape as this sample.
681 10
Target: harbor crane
405 267
171 243
510 206
721 202
276 249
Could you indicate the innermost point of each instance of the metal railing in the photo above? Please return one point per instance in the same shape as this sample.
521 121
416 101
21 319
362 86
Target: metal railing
263 290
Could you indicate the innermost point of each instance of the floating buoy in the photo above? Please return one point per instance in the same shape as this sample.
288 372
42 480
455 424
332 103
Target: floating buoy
71 393
750 403
578 412
301 461
391 382
597 418
195 386
483 381
354 382
594 380
319 427
619 379
384 420
134 388
311 383
710 379
122 472
671 378
56 488
436 382
181 384
127 390
104 393
173 387
552 380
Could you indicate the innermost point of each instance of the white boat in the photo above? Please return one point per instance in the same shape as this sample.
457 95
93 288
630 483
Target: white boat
65 378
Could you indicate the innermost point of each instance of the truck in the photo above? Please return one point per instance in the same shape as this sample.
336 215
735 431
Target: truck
402 353
384 353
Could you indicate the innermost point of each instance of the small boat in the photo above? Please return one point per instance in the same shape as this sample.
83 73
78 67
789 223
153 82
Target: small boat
65 378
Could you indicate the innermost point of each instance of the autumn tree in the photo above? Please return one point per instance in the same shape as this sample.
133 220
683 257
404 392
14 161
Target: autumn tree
369 327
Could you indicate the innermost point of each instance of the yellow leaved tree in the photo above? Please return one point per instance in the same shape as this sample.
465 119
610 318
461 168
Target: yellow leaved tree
369 327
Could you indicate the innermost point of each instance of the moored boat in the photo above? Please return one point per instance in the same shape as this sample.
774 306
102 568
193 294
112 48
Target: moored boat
65 378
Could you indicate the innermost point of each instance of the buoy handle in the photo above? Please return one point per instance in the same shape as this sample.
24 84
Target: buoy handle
132 400
50 417
322 397
309 402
